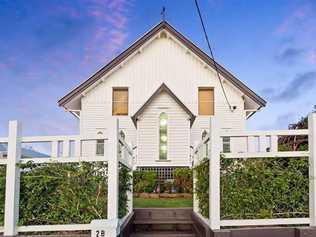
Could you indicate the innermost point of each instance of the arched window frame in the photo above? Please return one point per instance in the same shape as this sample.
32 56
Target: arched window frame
163 131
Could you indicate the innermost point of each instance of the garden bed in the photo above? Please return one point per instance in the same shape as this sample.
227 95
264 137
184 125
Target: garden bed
163 195
162 202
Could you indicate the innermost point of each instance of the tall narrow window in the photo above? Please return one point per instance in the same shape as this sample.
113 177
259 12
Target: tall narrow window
120 101
100 147
206 101
163 136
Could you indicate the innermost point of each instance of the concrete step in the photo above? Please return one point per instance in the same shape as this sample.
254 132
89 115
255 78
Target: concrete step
164 234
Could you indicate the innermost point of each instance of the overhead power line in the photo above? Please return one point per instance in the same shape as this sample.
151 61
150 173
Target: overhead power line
212 55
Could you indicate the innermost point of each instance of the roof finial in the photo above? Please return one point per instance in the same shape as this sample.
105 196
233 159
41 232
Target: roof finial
163 13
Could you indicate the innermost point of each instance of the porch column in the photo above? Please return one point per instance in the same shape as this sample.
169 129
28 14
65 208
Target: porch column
214 172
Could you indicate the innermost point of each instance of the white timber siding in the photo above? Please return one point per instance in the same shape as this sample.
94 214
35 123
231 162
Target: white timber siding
178 133
162 60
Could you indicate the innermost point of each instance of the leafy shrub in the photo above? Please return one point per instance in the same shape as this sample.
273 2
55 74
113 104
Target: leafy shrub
125 182
144 181
166 187
201 174
2 193
183 180
62 193
264 188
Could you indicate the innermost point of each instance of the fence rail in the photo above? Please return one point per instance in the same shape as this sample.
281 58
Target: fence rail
254 144
64 149
265 222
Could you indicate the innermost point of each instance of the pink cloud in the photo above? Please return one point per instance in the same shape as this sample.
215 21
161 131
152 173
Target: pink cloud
110 32
301 18
312 57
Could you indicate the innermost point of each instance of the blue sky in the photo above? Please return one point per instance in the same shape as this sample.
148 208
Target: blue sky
48 47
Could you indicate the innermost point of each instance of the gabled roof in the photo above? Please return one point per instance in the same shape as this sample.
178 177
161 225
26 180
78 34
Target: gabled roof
163 88
135 46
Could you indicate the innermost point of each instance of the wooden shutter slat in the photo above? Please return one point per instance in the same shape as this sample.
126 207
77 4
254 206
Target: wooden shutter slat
206 101
120 101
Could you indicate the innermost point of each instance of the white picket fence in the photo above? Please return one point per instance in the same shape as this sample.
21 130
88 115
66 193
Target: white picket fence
253 144
116 151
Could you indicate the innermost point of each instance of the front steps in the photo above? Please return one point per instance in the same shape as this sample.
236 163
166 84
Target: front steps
163 222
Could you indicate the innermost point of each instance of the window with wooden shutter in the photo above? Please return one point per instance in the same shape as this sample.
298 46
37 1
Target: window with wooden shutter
120 101
206 101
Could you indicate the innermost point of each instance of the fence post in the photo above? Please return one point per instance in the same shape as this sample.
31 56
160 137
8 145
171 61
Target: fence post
113 170
312 167
12 190
214 172
130 194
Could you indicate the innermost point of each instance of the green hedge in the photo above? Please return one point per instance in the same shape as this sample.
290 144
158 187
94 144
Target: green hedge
201 174
125 185
2 193
257 188
264 188
144 181
63 193
183 180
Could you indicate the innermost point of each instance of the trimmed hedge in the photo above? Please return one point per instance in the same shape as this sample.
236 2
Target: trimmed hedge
183 180
63 193
264 188
125 182
2 193
144 181
201 174
257 188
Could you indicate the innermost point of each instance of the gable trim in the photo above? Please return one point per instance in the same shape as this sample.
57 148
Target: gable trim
135 46
163 88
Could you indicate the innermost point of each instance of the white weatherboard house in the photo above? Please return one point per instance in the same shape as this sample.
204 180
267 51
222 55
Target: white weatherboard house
163 89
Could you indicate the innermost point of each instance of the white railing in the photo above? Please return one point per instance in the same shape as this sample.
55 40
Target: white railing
262 144
65 149
254 144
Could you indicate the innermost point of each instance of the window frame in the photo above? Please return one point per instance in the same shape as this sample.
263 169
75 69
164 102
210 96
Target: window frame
100 146
113 102
159 137
226 145
201 88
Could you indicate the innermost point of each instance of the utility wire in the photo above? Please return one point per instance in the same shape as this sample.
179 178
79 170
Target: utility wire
212 55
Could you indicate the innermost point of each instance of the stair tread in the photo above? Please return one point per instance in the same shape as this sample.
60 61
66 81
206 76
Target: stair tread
163 221
164 234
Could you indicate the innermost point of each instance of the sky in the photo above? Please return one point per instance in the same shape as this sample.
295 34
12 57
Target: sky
49 47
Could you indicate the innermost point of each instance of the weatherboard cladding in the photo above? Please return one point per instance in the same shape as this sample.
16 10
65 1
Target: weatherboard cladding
178 130
163 88
166 26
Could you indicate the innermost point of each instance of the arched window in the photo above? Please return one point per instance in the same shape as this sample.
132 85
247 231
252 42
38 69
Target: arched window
163 136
